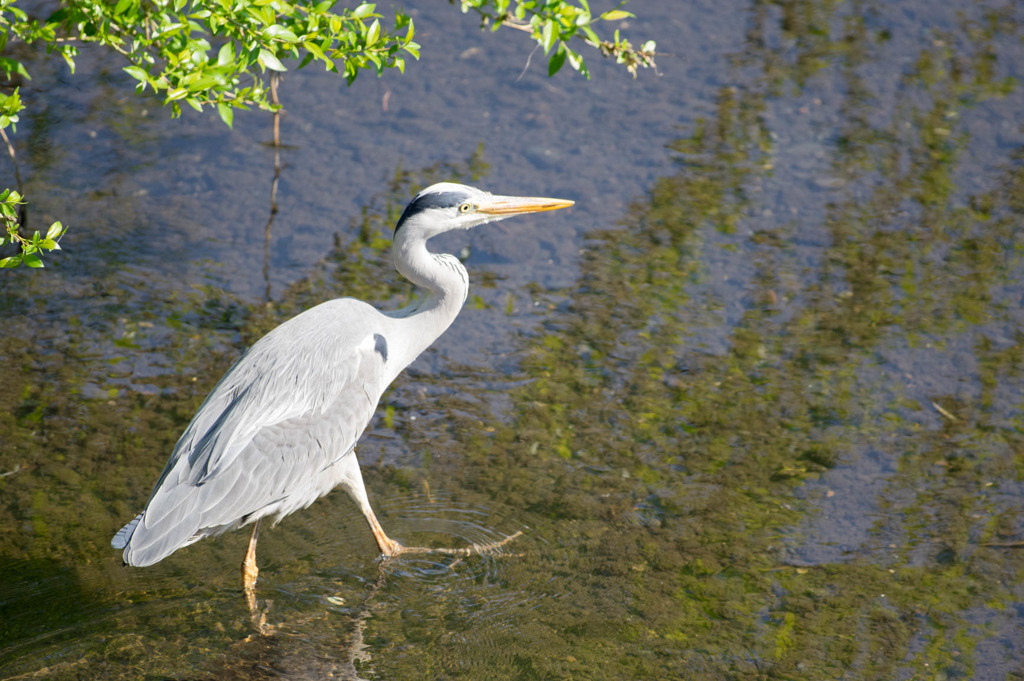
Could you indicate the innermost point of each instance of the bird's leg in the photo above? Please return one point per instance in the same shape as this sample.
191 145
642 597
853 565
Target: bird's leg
388 546
249 569
353 482
249 573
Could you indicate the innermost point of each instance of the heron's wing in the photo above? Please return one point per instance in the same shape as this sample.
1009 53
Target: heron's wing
292 405
273 383
280 469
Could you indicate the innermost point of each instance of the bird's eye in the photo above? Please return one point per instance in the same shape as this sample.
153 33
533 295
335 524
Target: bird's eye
465 208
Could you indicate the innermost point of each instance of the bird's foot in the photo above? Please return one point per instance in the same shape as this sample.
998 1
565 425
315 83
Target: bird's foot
259 617
389 548
474 549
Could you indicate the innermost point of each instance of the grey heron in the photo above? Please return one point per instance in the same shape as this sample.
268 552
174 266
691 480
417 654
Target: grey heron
279 430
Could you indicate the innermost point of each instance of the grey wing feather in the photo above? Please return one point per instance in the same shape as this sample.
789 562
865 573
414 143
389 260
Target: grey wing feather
120 539
292 405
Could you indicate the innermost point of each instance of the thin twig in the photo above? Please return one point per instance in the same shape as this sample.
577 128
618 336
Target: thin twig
519 26
947 414
1004 544
527 66
274 78
22 215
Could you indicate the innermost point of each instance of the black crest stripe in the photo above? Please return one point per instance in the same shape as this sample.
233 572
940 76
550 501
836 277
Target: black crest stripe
428 201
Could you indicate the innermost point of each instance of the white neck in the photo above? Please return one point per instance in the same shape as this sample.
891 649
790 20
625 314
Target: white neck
447 286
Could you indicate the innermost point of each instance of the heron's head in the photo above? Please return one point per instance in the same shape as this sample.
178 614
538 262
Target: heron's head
446 206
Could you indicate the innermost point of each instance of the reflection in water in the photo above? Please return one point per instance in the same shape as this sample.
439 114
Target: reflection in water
275 79
324 634
287 652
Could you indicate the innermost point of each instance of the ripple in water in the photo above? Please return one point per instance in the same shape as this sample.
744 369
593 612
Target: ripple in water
468 598
359 614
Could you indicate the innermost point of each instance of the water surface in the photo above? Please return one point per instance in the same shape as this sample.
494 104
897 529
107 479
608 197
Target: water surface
755 402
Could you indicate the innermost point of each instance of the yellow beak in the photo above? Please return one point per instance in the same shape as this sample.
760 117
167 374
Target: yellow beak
513 205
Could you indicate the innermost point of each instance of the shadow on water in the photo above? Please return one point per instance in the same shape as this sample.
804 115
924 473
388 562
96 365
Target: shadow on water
772 430
28 582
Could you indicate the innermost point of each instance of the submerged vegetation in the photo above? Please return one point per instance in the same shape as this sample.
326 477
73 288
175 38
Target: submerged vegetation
773 430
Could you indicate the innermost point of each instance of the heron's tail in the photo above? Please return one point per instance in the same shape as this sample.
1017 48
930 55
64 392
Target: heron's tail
124 535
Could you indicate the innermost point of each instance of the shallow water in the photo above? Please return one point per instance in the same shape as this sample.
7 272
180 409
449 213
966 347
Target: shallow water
754 402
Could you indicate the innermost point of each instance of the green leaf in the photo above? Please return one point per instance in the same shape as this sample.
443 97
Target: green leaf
617 15
138 73
227 114
576 62
268 60
32 260
314 49
226 55
9 65
557 59
373 33
278 32
55 231
364 10
68 53
548 36
201 85
12 261
199 46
